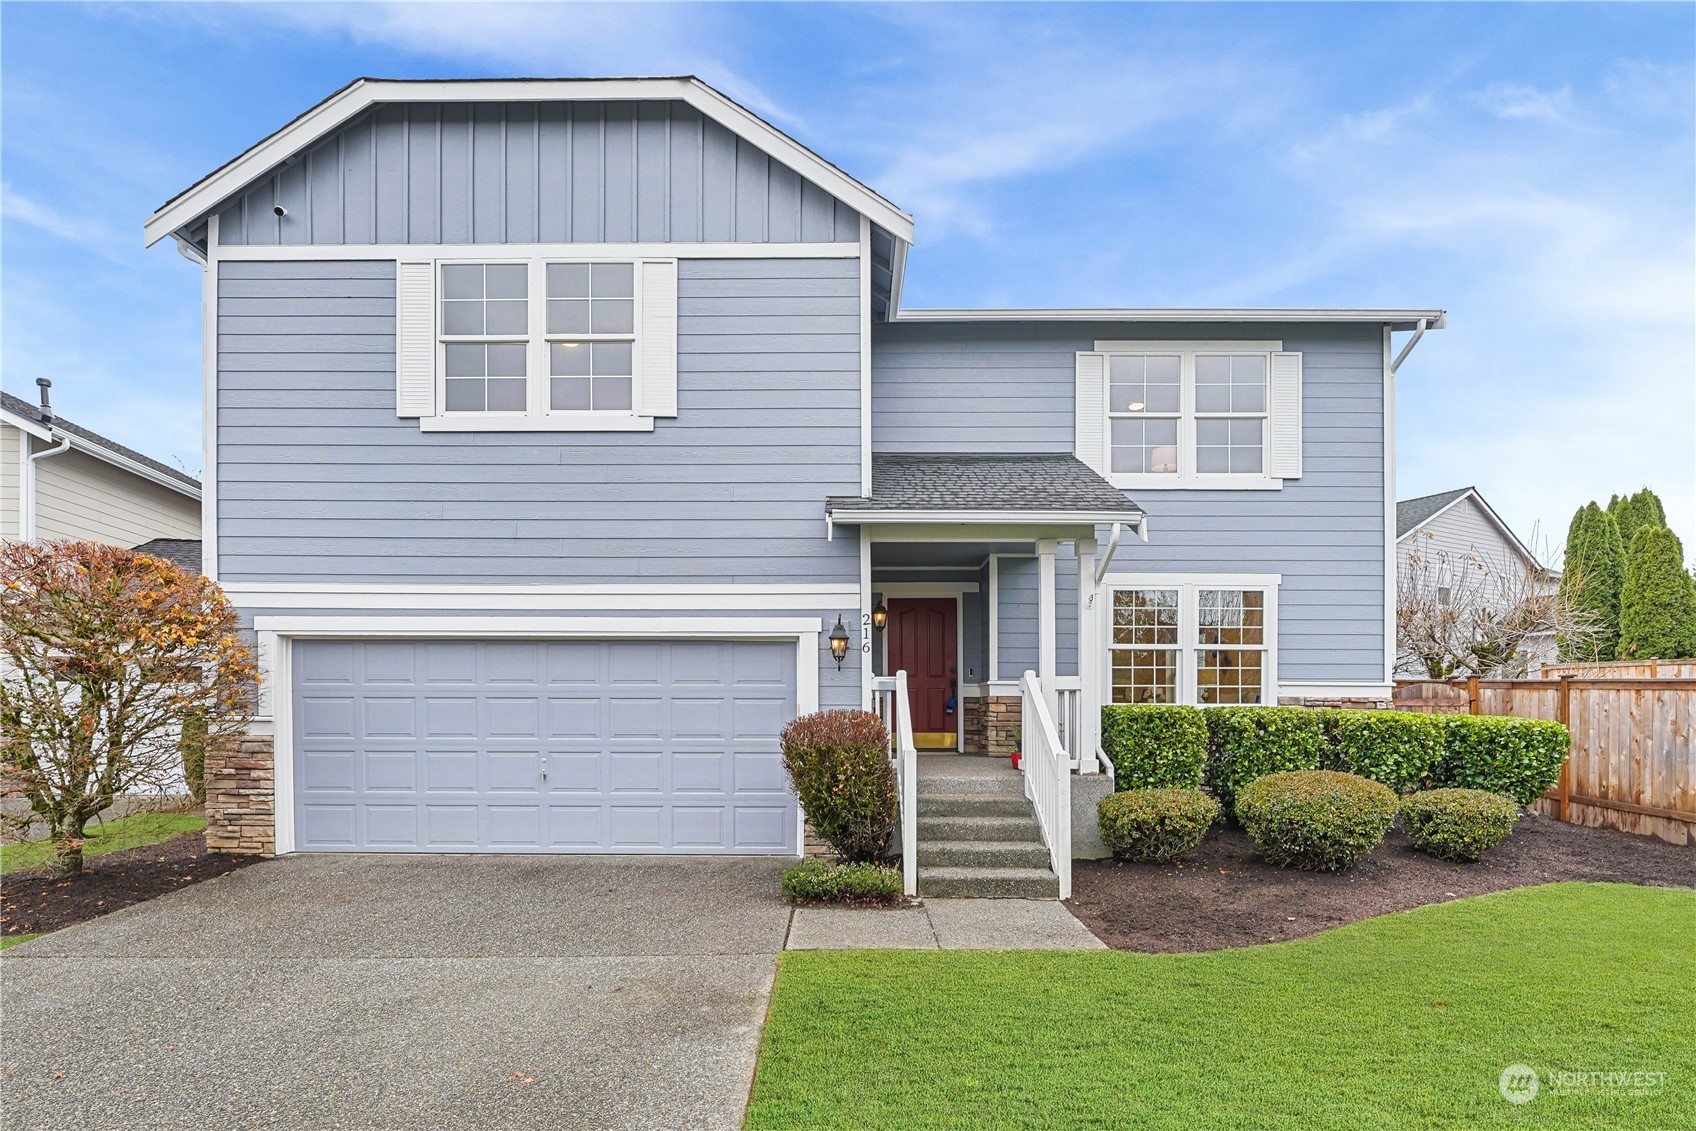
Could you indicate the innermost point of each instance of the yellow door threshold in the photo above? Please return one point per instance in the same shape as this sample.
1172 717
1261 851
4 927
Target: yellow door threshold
934 740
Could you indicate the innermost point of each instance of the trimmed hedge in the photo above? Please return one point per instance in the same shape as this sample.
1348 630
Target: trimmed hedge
1321 820
1394 748
1520 758
1154 746
1246 743
822 881
1159 825
838 762
1458 824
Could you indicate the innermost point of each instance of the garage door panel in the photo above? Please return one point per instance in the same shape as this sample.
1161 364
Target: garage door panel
647 746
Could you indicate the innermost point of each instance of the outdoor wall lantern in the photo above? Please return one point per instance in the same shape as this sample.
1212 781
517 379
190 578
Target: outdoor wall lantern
880 616
838 643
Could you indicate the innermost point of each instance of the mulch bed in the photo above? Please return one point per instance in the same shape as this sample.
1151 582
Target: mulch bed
36 900
1227 896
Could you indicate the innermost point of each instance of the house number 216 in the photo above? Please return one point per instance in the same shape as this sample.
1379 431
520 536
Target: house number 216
866 634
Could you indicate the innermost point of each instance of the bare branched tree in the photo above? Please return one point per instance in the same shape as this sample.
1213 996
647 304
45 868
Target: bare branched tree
1470 615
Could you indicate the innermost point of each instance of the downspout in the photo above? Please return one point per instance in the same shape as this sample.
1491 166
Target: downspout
26 495
1113 545
1418 333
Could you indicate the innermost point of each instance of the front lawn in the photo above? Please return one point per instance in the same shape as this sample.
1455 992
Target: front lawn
112 836
1403 1021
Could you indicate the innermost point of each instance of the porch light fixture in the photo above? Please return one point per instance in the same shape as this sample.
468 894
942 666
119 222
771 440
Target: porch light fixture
838 642
880 616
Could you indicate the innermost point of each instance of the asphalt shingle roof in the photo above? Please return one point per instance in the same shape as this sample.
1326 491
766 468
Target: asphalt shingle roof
33 412
185 552
936 482
1411 512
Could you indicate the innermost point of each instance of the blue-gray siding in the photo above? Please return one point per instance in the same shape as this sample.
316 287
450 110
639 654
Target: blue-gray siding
1016 624
552 172
318 480
984 387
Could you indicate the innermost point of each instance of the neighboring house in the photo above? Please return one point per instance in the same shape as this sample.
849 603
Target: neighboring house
554 426
1454 547
61 481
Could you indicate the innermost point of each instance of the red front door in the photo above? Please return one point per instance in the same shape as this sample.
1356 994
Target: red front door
922 644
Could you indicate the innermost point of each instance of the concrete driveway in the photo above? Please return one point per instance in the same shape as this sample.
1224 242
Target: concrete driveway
498 992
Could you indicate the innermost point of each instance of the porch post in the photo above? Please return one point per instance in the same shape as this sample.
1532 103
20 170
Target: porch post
1045 666
1089 661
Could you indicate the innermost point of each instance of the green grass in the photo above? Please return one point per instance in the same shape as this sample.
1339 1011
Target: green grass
113 836
9 941
1403 1021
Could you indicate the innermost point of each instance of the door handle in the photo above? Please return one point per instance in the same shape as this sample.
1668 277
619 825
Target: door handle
544 767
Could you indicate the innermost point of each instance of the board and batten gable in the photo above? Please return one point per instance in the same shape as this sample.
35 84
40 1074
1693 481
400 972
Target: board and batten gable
319 481
1009 387
534 172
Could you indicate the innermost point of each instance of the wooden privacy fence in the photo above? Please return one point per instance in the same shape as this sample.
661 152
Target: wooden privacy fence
1633 760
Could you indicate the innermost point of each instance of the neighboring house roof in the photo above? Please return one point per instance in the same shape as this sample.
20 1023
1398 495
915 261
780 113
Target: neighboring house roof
205 195
22 414
1411 514
1022 487
185 552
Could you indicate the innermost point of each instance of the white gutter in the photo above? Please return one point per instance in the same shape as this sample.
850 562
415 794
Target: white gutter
26 488
967 518
1396 319
1418 333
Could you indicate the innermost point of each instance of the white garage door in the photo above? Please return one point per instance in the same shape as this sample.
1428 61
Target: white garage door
542 746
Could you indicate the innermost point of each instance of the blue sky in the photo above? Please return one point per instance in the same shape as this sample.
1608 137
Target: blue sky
1531 168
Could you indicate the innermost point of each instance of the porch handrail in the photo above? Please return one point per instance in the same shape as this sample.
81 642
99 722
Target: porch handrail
1048 778
894 707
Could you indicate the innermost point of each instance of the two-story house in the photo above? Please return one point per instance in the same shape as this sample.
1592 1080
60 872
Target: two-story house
553 428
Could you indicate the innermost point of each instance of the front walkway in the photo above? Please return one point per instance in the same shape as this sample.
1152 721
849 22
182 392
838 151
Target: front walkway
943 924
404 992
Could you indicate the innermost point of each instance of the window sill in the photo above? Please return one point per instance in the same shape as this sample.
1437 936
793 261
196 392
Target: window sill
557 422
1195 482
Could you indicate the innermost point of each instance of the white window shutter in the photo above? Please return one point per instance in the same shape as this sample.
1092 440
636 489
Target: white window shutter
1284 459
656 342
415 339
1089 436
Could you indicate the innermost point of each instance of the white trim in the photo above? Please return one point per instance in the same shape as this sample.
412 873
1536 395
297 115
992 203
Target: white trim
865 357
1223 345
863 517
24 424
209 403
1336 690
552 422
992 669
397 251
277 635
536 598
1047 613
342 106
1152 482
1188 586
1396 319
864 601
1390 512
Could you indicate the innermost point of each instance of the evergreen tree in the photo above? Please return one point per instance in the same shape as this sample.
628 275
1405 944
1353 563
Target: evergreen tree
1657 602
1591 577
1632 513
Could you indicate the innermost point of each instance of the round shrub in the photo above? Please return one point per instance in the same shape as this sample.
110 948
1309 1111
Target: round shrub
1321 820
1395 748
1159 825
1154 746
838 762
1458 824
824 881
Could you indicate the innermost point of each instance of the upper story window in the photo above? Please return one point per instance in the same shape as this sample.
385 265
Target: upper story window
1187 413
1191 414
537 344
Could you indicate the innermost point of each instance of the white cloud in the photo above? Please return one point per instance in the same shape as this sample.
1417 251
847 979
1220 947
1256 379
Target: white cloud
1515 102
85 231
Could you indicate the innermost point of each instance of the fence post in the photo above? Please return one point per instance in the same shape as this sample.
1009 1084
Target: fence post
1563 715
1474 704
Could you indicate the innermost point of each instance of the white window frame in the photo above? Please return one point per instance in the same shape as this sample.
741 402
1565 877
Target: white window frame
1187 477
538 416
1189 587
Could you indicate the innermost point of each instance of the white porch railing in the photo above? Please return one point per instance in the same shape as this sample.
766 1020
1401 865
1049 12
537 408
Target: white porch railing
1069 720
889 700
1048 777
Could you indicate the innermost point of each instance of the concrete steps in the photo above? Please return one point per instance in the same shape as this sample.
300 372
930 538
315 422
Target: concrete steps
978 837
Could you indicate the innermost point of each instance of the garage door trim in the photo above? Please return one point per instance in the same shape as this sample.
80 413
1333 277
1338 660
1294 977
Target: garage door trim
277 634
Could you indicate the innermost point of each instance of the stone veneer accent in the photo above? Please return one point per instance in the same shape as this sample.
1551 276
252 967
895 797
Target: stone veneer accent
1355 704
973 723
241 798
1001 715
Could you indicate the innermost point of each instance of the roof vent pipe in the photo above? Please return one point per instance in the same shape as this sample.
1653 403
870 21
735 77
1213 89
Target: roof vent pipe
46 402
